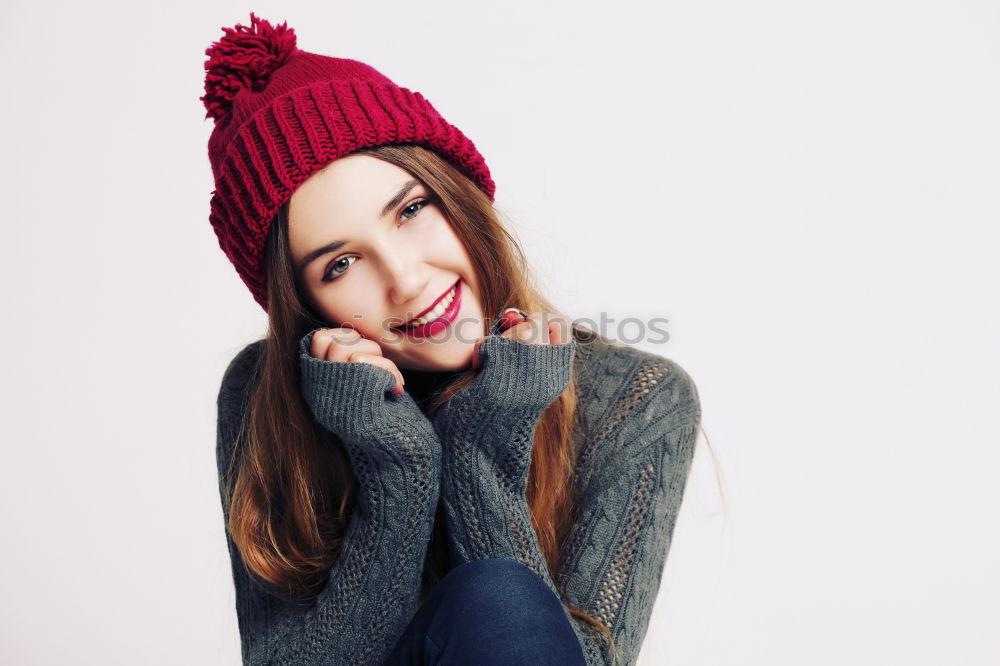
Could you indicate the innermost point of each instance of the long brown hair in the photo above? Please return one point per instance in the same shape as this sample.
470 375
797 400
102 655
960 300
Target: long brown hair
294 491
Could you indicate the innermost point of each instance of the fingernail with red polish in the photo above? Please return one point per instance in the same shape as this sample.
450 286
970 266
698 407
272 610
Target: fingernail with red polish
512 317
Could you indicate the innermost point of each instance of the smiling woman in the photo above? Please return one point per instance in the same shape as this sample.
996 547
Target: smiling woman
397 260
422 461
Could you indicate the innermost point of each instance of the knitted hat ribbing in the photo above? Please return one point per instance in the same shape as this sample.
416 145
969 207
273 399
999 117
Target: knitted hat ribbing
281 114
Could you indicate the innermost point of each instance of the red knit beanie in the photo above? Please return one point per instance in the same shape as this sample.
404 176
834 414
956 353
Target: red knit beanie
281 114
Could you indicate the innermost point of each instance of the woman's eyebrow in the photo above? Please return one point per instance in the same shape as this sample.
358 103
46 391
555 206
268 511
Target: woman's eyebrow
319 252
393 202
336 245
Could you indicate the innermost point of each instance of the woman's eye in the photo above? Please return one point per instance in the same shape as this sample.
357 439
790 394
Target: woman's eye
338 268
415 207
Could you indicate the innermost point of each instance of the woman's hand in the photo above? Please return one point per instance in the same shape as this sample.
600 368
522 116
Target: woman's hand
524 369
346 345
357 394
537 328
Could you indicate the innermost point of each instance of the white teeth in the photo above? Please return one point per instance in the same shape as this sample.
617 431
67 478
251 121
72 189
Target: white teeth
436 312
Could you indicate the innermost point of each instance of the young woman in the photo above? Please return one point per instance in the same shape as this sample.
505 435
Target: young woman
422 461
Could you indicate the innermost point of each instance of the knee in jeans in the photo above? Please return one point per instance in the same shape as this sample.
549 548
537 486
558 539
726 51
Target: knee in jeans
500 611
492 581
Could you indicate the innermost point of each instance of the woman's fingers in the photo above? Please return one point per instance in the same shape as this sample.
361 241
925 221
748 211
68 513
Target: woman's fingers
542 328
326 342
539 328
532 331
560 329
345 345
510 317
382 362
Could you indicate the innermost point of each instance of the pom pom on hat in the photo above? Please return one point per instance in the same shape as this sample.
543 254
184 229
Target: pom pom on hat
244 58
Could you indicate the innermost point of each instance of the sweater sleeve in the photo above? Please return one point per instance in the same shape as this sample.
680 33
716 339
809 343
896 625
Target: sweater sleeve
614 557
371 590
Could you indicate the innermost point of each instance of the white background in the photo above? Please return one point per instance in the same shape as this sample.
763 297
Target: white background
807 191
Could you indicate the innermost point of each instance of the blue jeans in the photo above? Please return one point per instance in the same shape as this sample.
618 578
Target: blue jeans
489 613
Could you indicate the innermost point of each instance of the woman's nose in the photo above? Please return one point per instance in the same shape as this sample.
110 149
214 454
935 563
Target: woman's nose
405 278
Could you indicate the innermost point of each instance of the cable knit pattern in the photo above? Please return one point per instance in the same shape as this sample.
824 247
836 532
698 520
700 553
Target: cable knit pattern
372 589
643 414
640 418
487 431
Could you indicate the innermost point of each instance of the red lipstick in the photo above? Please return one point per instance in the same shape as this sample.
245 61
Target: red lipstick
437 325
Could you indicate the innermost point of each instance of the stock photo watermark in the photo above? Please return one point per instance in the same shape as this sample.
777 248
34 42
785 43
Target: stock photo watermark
467 330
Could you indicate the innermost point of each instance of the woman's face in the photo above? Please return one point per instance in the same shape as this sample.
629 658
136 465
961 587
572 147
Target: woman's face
372 251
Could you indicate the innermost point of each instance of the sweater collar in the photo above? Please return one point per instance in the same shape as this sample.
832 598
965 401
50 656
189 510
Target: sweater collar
423 384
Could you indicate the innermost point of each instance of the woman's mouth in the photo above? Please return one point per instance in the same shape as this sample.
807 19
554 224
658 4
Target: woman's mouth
436 318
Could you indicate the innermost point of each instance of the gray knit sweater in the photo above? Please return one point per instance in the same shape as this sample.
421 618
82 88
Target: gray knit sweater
634 450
